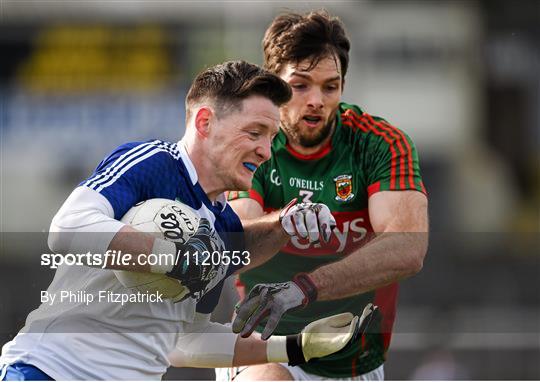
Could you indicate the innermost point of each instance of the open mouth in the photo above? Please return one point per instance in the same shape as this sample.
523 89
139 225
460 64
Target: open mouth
312 120
250 166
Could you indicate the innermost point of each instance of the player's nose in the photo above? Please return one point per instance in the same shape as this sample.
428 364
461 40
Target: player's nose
315 98
264 149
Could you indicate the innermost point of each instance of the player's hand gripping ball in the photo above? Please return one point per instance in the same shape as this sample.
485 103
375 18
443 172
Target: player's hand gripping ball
165 219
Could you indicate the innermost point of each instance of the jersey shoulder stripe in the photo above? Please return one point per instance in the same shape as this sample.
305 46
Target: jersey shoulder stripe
399 146
120 161
129 159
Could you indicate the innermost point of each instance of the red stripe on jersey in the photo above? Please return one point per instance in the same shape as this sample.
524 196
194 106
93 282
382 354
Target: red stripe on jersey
398 136
373 188
361 349
253 194
402 171
409 153
317 155
240 288
366 118
347 119
423 188
353 365
386 300
359 123
401 137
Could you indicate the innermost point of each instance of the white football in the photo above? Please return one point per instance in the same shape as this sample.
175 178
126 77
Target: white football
166 219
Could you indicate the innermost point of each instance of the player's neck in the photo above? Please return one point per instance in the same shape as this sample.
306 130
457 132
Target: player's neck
203 167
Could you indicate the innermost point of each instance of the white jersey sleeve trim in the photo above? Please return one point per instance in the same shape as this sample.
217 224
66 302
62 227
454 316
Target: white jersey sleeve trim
204 344
84 223
190 167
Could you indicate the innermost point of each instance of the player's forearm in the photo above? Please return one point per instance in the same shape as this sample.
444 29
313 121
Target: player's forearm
85 224
219 347
250 351
388 258
133 245
264 237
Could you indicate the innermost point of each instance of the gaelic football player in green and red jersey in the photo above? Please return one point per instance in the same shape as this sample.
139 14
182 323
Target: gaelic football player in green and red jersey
366 171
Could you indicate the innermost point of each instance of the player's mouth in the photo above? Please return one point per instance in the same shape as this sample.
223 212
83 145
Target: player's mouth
312 120
250 166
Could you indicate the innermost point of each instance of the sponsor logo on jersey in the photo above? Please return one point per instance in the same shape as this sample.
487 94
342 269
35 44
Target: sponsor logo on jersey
274 177
352 231
344 188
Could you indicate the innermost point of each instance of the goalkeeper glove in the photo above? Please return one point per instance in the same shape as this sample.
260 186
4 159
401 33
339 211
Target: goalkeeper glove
320 338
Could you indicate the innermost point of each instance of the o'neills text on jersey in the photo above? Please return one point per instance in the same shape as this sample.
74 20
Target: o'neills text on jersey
306 184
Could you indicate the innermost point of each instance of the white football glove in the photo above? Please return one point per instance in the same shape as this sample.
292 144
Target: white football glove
310 221
320 338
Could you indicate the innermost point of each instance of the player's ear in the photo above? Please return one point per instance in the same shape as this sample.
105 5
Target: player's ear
202 120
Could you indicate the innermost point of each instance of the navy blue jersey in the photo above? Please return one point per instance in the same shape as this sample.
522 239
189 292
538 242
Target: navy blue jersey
139 171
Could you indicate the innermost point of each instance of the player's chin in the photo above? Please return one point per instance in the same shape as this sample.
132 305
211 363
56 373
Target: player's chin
243 182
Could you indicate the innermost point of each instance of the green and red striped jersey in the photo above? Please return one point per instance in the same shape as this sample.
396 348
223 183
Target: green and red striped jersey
365 155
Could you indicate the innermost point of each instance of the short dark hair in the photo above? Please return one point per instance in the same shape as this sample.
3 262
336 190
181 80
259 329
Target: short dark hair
227 84
293 37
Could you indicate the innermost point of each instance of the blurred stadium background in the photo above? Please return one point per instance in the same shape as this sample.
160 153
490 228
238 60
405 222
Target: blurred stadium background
461 77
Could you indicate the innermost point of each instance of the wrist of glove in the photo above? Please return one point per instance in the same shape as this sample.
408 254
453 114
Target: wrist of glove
311 221
272 300
320 338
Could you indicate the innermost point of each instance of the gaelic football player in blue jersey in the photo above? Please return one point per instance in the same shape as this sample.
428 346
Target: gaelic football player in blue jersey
232 116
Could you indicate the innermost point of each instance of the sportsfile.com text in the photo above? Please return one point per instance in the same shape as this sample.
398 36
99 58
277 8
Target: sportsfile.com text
119 258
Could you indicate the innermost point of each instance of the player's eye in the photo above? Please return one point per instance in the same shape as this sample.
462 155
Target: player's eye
331 88
254 134
298 86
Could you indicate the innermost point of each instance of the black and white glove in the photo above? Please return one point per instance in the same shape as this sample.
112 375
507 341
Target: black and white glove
272 300
320 338
189 267
311 221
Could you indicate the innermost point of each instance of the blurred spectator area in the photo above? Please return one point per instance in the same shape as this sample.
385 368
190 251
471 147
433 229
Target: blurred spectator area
461 78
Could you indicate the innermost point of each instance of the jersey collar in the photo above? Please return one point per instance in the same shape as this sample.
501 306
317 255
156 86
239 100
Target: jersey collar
316 155
187 162
221 200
